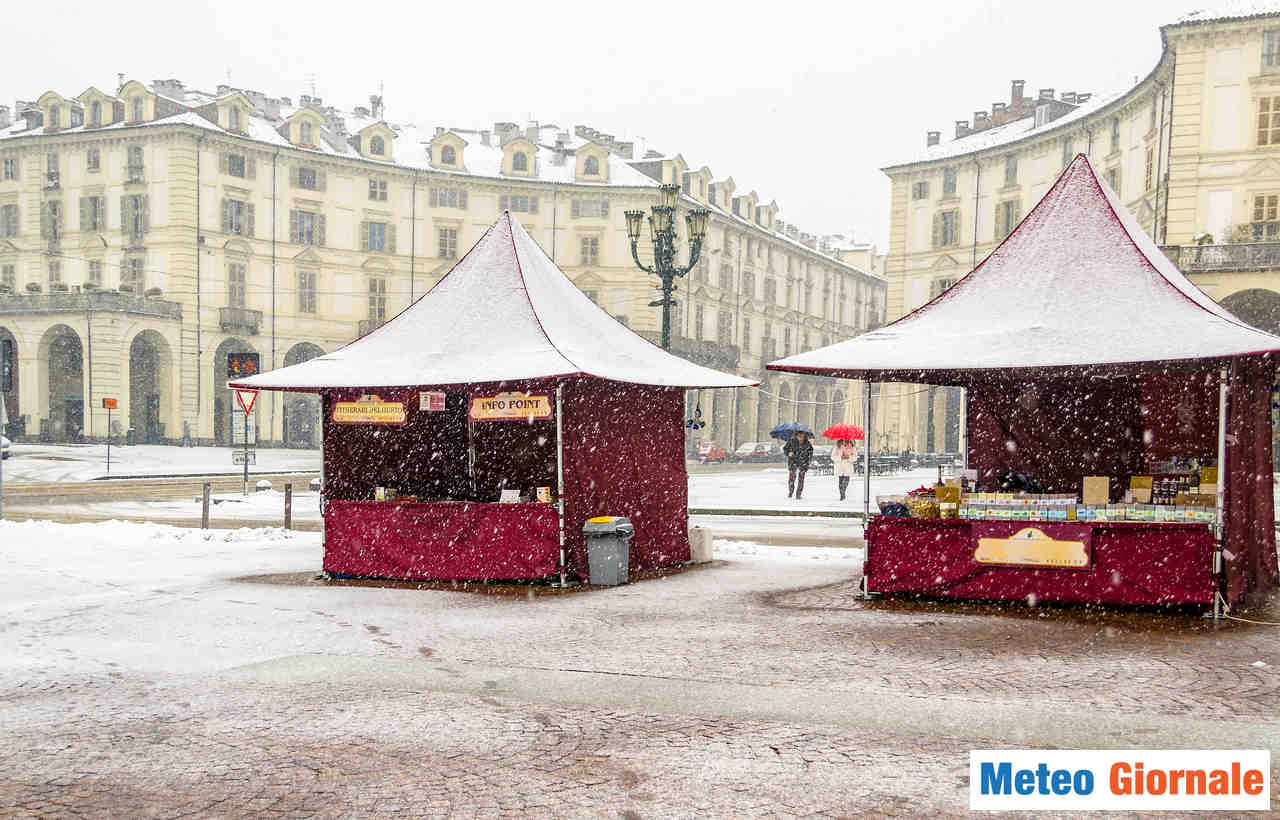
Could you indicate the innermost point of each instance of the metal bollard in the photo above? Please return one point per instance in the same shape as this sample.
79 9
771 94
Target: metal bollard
204 511
288 505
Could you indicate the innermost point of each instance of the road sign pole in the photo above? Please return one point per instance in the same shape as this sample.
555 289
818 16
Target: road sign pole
246 453
108 441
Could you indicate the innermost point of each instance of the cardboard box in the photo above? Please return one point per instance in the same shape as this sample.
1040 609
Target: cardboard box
1208 475
1097 489
1195 500
948 495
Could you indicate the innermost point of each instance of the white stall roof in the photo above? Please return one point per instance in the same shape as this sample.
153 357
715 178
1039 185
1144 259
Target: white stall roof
1077 284
505 312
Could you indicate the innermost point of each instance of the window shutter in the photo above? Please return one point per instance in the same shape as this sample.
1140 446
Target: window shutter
248 220
391 238
293 227
999 221
146 213
320 230
433 198
250 167
533 204
462 198
1017 215
937 230
226 216
44 221
222 163
955 227
575 209
364 236
293 176
320 179
84 213
604 207
126 213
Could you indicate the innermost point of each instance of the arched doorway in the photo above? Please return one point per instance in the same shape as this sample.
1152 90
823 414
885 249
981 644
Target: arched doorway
1257 306
301 410
223 402
150 360
61 358
821 412
10 399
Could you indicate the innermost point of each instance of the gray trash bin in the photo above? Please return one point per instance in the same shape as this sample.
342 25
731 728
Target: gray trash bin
608 548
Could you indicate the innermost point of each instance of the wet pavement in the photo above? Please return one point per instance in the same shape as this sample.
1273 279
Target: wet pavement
220 678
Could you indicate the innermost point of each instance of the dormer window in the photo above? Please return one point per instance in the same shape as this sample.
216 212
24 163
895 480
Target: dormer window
304 133
377 146
448 155
520 161
55 117
137 109
591 167
233 118
95 113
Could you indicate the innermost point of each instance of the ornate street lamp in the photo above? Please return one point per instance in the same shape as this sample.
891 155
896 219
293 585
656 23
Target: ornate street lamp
662 232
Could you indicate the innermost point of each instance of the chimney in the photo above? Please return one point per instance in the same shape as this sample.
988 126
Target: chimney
304 99
980 120
439 130
4 116
931 138
624 149
1083 97
1069 97
361 111
1015 96
169 88
223 88
531 132
962 129
287 101
1046 94
562 144
119 81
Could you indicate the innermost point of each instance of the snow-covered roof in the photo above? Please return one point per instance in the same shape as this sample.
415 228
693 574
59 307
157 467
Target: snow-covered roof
505 312
1010 132
1078 283
1230 10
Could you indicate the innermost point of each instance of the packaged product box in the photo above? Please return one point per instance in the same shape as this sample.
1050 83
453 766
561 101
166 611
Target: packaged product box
948 495
1097 489
1208 475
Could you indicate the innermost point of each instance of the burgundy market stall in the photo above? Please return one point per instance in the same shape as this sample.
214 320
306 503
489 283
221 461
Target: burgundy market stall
1083 351
471 436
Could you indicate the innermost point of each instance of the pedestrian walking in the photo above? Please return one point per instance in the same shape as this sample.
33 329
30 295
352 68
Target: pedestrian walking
844 457
799 451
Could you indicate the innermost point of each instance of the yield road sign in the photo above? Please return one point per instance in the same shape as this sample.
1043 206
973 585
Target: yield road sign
246 398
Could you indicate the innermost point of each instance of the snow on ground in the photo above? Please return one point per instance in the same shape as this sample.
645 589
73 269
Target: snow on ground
85 462
262 506
750 551
767 489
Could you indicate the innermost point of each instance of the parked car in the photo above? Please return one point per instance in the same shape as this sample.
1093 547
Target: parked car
5 445
821 461
710 451
744 451
758 452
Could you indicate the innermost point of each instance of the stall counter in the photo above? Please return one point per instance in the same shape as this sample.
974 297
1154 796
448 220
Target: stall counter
445 540
1126 562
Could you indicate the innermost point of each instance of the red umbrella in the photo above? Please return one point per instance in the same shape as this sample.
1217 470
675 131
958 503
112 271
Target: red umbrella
844 432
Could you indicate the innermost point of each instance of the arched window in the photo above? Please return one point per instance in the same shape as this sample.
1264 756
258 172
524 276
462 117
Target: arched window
304 133
95 113
233 118
591 167
448 155
55 117
137 109
519 161
376 145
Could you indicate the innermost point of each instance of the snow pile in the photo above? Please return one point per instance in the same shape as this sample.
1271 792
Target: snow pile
749 551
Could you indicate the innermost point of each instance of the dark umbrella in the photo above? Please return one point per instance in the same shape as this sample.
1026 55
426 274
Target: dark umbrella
788 429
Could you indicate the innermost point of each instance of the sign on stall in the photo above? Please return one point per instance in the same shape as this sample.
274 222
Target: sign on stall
244 457
430 402
1031 546
510 407
369 409
237 429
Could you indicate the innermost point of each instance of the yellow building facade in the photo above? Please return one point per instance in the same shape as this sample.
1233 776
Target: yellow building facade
1193 150
148 234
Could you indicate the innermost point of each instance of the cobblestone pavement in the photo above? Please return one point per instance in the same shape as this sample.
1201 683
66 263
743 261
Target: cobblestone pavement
226 682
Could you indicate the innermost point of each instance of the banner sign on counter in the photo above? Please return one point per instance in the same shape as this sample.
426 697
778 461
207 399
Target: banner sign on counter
430 402
1056 546
510 407
369 409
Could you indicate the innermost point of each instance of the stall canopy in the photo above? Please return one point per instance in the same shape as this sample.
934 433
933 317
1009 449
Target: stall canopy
1085 351
505 312
504 319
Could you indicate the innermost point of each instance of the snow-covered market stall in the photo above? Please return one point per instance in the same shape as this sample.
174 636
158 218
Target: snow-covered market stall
1117 428
472 435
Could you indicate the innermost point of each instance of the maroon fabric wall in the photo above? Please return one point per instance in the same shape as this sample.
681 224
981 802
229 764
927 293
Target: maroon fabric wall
624 455
1250 558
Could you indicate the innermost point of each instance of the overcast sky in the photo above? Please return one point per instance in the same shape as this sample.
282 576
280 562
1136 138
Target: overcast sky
801 102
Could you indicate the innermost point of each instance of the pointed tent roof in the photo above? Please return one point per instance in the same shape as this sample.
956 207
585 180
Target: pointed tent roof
1077 284
505 312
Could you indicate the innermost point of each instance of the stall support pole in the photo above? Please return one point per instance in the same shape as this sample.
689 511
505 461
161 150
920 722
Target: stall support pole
1219 527
560 473
866 479
964 428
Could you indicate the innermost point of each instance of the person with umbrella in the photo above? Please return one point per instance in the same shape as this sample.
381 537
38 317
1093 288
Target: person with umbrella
843 455
799 451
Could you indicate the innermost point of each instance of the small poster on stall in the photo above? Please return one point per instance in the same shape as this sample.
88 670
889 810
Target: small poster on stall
510 407
1022 546
430 402
369 409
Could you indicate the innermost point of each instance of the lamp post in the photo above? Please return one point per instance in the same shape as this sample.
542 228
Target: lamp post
662 231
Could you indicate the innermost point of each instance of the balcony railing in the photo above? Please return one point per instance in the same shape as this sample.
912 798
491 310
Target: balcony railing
1245 256
51 181
134 175
367 326
96 300
238 319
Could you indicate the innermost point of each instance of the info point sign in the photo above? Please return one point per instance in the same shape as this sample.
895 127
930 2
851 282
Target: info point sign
1120 779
